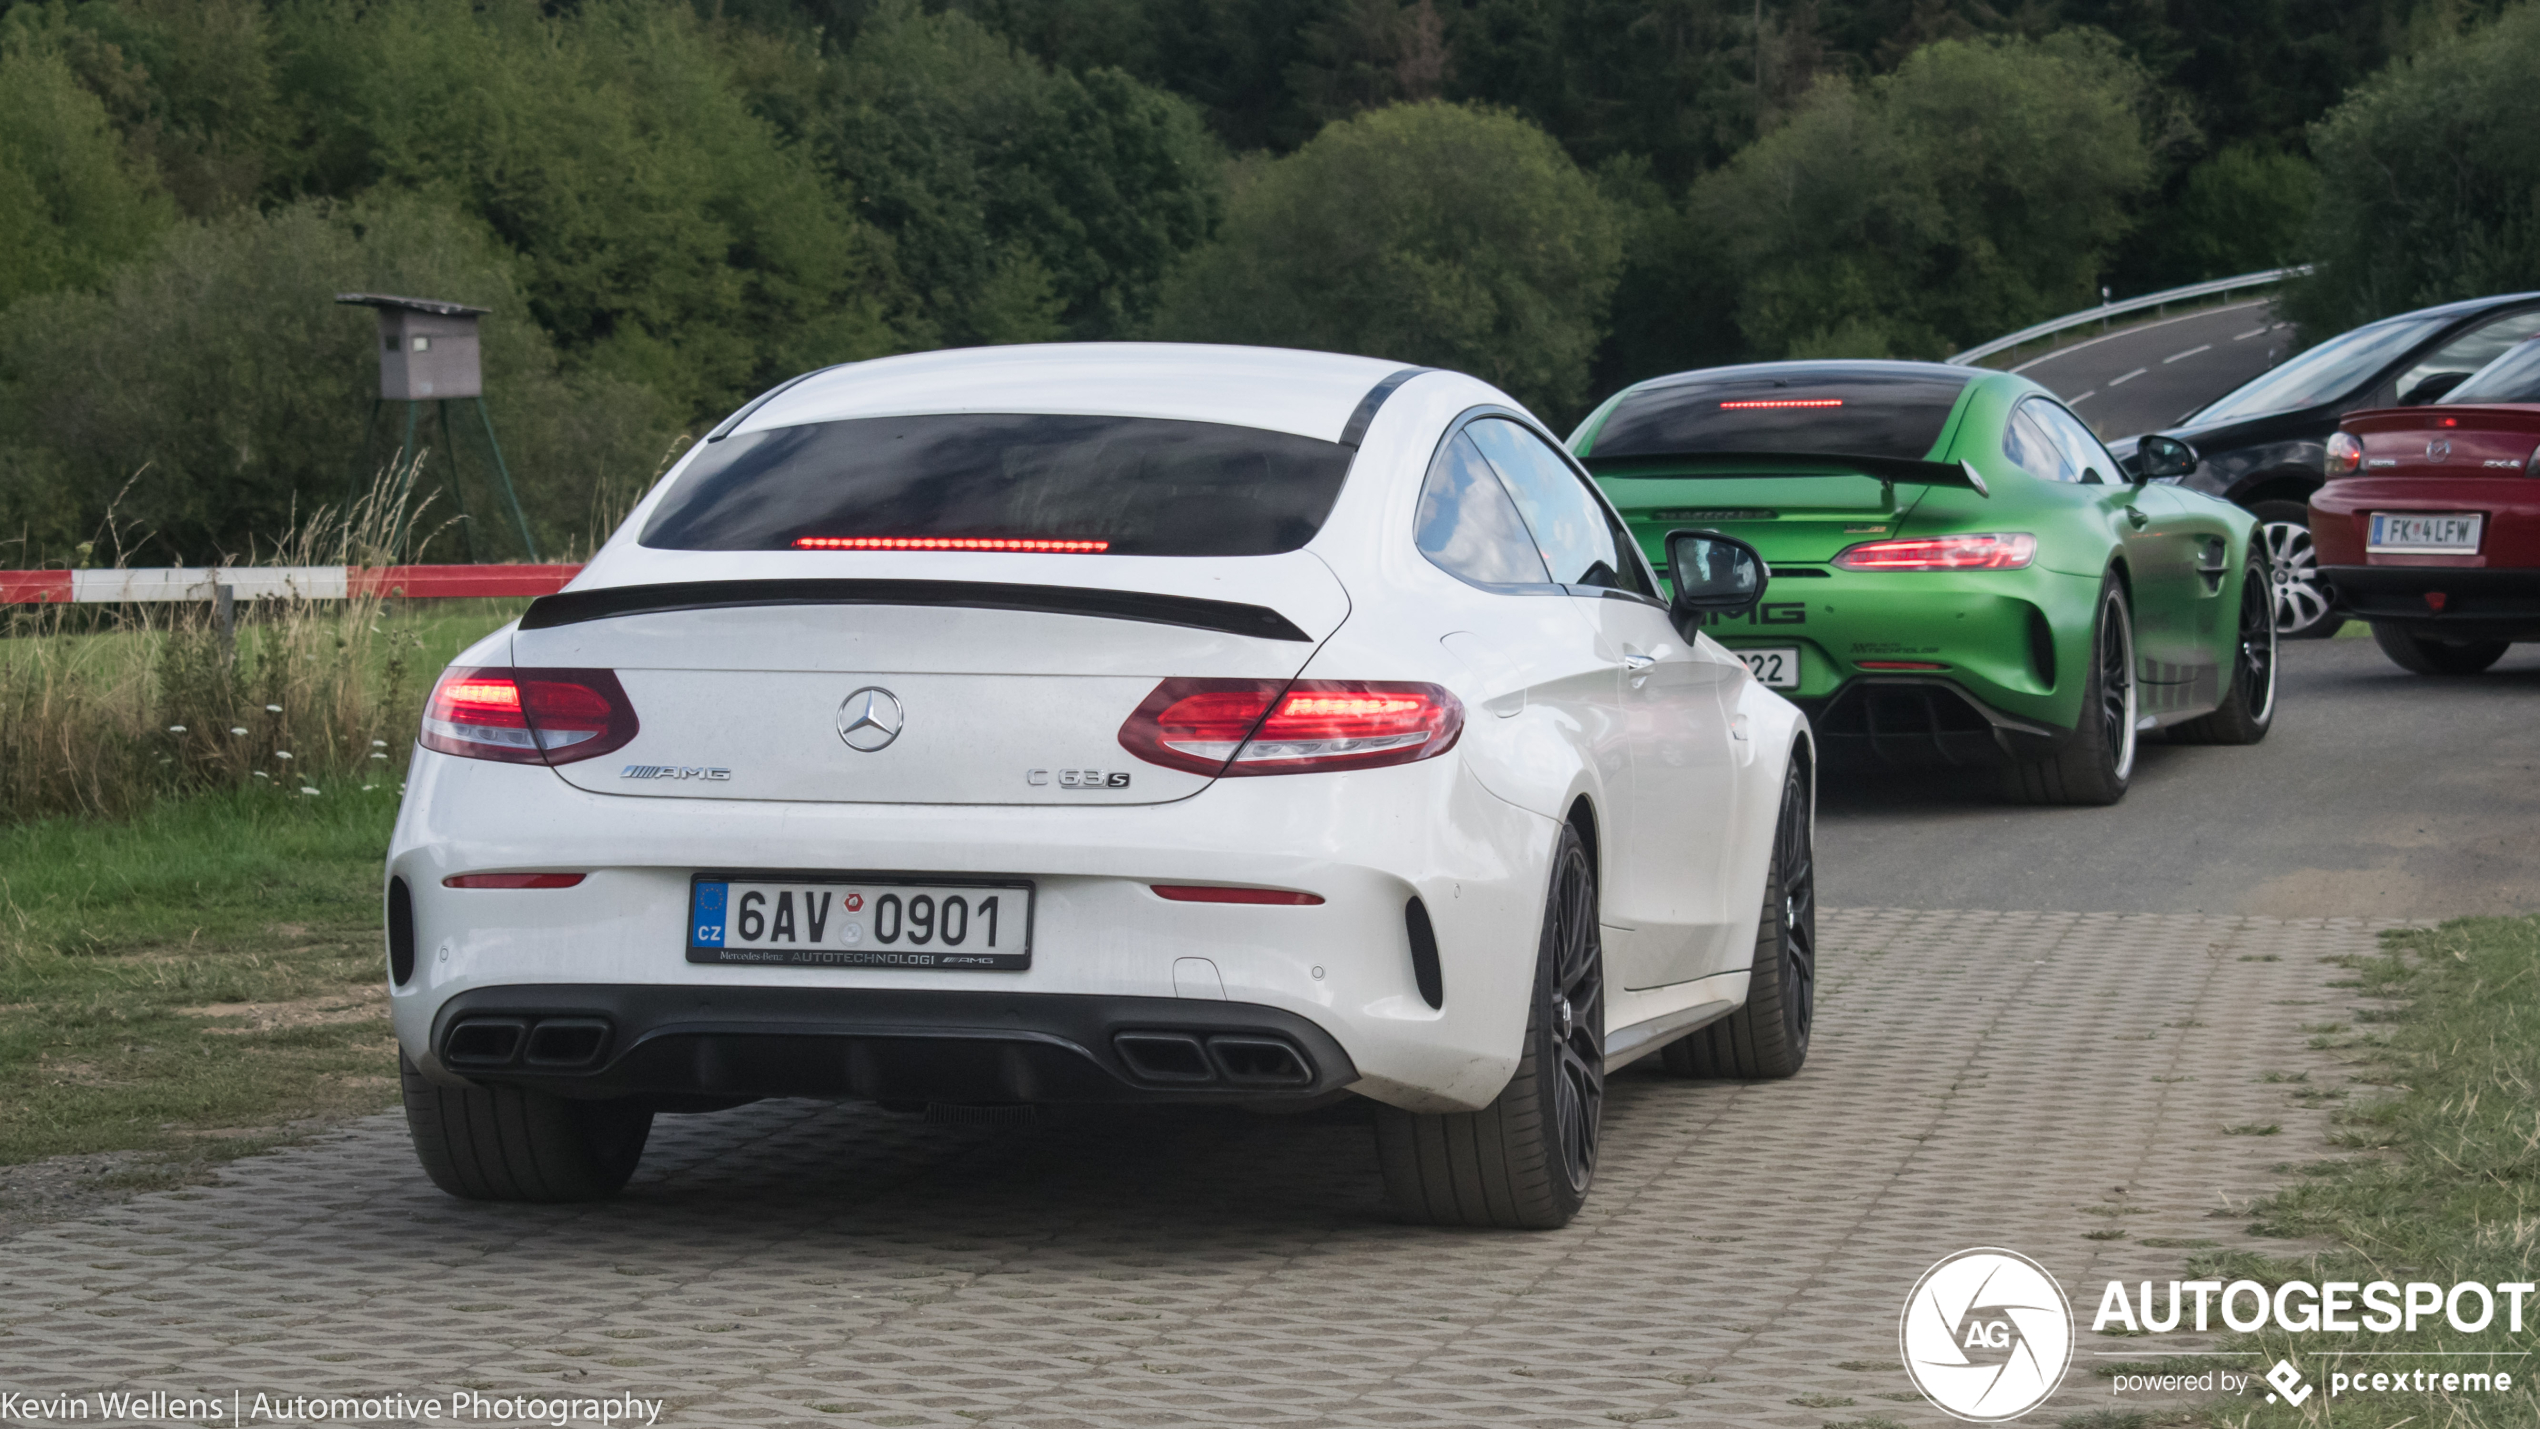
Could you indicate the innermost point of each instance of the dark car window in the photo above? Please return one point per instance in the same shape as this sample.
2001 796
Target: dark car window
1469 527
1130 486
2514 377
1582 544
1842 410
2467 352
2325 373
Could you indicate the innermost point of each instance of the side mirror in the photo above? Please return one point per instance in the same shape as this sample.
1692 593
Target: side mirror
2157 457
1714 574
2431 388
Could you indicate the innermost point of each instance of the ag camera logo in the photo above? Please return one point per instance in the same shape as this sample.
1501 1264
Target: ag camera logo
1987 1334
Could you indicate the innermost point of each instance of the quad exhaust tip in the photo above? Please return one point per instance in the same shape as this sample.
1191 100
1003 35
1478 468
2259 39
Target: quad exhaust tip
547 1043
1234 1059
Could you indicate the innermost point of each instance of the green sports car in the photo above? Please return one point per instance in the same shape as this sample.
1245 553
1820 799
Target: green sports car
1961 575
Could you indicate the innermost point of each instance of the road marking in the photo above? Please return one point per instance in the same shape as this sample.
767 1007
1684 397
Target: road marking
2191 352
2139 329
2129 377
2084 397
2253 332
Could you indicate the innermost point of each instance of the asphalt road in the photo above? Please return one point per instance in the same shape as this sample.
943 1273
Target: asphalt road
2378 794
2141 379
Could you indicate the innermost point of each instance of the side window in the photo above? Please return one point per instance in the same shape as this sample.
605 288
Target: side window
2031 450
2464 355
1467 525
2089 460
1583 545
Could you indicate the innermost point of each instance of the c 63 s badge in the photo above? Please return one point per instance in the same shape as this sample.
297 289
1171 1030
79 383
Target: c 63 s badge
1078 778
672 771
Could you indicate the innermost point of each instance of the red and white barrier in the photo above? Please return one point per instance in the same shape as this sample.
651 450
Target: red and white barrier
122 584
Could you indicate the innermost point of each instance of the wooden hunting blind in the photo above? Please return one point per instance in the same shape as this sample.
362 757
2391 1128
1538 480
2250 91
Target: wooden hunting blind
428 352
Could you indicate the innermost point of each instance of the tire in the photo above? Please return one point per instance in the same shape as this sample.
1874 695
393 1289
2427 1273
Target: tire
1525 1161
2302 611
1768 1037
2096 764
2428 656
509 1144
2248 706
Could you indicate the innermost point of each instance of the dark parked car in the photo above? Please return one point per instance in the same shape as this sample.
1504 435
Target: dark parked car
2265 444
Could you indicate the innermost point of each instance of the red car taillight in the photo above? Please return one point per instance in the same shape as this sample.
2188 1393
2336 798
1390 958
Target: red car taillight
2345 454
2006 552
528 716
1228 727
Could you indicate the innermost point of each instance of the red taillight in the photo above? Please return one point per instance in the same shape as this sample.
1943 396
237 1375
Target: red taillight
512 880
951 543
528 716
2006 552
1276 727
1210 893
2345 454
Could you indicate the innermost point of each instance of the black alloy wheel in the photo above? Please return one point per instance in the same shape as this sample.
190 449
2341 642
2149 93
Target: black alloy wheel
2302 610
2096 762
2248 704
1576 1019
1523 1162
1767 1038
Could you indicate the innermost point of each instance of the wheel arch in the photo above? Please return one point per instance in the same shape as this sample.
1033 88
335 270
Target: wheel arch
2281 484
1582 817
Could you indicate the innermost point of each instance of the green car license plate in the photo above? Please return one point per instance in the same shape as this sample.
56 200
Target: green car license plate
810 921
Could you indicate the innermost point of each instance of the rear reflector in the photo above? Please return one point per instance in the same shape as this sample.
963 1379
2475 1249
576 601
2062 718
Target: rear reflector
522 716
2006 552
951 543
1899 665
512 880
1205 893
1233 727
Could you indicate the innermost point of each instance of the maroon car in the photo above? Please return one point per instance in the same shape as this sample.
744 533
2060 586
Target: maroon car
2429 526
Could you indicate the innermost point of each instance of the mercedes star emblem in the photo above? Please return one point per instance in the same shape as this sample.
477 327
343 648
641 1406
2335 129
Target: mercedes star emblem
870 719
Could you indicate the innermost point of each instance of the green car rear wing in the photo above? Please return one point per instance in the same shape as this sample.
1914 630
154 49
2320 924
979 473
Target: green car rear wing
1887 470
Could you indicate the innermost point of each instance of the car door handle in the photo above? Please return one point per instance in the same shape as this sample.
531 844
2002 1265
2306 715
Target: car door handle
2138 518
1638 662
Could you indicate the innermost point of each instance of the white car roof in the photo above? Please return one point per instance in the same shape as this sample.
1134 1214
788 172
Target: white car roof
1311 394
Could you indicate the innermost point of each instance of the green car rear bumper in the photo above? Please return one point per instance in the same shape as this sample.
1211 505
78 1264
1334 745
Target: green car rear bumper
1929 667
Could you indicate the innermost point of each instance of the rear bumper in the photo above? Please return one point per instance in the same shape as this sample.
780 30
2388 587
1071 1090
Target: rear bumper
1922 722
683 1045
2475 604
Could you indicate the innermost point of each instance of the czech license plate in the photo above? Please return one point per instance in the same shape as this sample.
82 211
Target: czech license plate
2426 532
849 922
1777 666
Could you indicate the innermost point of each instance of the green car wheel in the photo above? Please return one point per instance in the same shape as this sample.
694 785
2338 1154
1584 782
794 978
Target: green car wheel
1963 577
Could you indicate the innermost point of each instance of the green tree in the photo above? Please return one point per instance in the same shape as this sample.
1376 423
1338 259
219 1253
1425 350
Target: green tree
1025 203
1979 188
215 387
1431 233
2429 181
668 234
73 201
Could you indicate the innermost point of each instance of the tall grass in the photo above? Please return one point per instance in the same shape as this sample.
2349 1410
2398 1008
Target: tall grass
105 710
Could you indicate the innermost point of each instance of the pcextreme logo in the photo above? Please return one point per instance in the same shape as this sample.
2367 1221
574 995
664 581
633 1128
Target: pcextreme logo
1987 1334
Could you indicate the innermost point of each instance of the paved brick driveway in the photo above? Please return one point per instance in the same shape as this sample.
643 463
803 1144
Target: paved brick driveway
2026 1080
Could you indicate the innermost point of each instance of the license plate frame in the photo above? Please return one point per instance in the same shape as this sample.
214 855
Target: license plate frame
1775 667
2382 540
716 924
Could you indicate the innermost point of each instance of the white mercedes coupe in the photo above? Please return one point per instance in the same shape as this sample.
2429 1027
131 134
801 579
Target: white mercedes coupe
1106 723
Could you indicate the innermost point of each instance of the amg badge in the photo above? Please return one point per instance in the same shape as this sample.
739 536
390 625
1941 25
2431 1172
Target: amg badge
671 771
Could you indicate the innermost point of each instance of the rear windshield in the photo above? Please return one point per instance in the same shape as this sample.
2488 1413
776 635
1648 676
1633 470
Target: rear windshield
2514 377
1127 486
1851 413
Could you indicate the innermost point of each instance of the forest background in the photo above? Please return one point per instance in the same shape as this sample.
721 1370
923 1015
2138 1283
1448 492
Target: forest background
671 204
